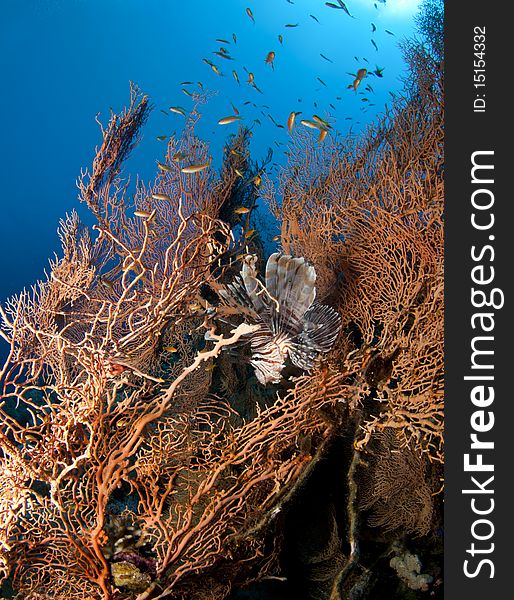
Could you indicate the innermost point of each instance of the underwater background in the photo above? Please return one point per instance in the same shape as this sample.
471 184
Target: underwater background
62 62
140 457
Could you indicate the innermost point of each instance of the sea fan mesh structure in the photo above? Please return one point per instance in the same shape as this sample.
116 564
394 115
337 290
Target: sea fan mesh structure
291 324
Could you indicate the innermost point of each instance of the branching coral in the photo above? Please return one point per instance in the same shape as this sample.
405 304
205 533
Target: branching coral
127 469
106 392
83 389
367 213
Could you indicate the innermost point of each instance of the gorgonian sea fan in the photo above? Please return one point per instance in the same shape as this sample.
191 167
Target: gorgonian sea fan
291 324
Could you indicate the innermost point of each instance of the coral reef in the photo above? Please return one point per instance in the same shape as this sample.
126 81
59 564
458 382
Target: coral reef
141 456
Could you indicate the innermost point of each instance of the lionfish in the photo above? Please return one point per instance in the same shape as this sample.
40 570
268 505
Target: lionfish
292 325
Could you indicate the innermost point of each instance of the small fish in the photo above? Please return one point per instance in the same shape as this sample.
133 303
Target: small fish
171 349
389 32
236 112
223 55
250 78
343 6
164 167
280 38
161 138
321 81
158 196
270 58
234 37
186 83
142 213
373 27
249 233
361 73
236 77
315 18
332 5
178 156
179 110
196 168
164 112
242 210
292 25
378 71
187 92
321 122
322 135
257 180
332 106
374 44
107 282
228 120
216 70
276 238
311 124
250 14
325 57
238 173
290 121
222 41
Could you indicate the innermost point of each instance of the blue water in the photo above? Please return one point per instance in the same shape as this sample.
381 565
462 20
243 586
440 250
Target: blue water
64 61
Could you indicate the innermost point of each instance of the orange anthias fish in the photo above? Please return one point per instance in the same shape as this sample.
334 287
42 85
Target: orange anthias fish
322 135
270 58
250 14
229 119
291 120
361 73
196 168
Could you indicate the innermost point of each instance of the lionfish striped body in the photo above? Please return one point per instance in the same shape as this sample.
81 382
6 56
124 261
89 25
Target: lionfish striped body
292 325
